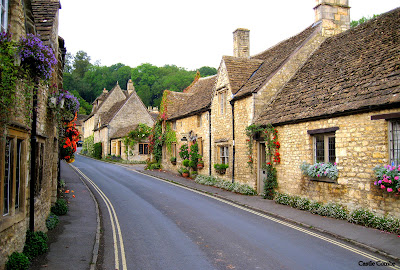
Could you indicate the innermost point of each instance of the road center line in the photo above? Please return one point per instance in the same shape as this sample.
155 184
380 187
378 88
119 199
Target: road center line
114 223
287 224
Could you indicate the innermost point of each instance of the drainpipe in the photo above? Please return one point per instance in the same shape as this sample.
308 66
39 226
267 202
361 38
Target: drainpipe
209 140
232 102
33 156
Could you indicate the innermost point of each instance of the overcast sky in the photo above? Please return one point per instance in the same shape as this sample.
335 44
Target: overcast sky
186 33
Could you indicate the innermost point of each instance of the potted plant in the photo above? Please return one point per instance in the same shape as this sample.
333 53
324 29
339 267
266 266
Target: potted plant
200 163
221 168
173 160
388 178
185 163
185 172
193 174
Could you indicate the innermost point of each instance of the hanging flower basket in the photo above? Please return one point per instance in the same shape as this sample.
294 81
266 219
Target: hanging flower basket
37 58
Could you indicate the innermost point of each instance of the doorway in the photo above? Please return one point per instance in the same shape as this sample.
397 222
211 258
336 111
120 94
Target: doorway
262 173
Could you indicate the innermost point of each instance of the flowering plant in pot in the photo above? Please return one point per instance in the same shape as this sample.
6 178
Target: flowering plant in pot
185 172
320 170
68 142
173 160
388 178
68 103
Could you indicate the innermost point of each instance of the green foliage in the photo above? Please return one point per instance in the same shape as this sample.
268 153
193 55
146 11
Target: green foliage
8 75
173 159
270 182
184 152
320 169
222 166
153 165
194 155
170 136
98 149
186 162
52 221
150 81
362 20
60 208
17 261
35 244
220 183
88 146
141 132
84 108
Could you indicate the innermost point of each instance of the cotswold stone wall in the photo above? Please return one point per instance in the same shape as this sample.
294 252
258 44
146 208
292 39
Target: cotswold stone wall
361 144
183 127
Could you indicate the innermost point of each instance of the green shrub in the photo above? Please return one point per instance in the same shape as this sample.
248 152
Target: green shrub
186 162
97 153
60 208
303 204
234 187
362 217
35 244
332 210
52 221
17 261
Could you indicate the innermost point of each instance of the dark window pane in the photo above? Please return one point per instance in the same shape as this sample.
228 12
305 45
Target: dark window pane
8 175
331 149
319 149
395 143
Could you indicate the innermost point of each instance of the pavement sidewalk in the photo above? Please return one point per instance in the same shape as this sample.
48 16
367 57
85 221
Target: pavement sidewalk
74 245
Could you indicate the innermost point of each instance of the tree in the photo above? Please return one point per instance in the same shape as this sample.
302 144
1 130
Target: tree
362 20
81 64
207 71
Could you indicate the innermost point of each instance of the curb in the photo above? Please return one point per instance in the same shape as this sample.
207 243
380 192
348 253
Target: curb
307 226
95 252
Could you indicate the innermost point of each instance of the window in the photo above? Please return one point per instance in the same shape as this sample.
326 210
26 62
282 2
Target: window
174 125
199 121
224 154
3 15
222 102
12 172
143 148
394 141
200 144
324 148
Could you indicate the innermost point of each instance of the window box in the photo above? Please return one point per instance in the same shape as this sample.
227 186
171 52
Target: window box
221 168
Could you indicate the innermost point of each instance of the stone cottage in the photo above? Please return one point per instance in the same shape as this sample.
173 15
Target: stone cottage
188 113
25 202
114 114
343 106
246 83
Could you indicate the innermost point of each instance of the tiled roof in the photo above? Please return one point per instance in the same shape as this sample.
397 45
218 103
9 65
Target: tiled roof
44 13
122 132
354 71
272 59
240 70
107 116
196 99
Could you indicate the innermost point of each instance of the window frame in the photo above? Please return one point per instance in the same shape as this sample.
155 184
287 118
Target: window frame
144 148
327 156
394 144
4 16
223 154
16 210
221 102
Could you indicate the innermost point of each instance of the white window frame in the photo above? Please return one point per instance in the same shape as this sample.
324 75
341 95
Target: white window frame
224 154
3 15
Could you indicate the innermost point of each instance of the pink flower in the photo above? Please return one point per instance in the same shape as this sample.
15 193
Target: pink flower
318 175
396 178
389 190
383 187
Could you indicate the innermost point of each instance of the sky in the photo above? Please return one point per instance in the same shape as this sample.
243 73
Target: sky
188 34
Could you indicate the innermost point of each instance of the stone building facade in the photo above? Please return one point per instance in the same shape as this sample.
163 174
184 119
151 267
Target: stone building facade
114 115
347 91
188 114
16 217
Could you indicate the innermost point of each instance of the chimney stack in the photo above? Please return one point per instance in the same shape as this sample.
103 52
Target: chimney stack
241 43
105 90
334 15
130 87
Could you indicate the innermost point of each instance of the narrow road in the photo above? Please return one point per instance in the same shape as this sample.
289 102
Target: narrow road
152 224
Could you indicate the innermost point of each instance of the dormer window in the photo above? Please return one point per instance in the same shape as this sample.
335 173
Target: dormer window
3 15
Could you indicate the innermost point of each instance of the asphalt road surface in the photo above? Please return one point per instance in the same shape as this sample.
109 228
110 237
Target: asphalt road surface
151 224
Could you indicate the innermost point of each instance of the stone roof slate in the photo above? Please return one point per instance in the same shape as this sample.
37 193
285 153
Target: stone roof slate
44 12
272 59
122 132
353 71
197 98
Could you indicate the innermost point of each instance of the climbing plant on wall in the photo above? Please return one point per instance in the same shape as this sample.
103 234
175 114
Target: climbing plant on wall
270 135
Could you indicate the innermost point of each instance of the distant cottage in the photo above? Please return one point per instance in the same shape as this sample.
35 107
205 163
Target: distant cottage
114 114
